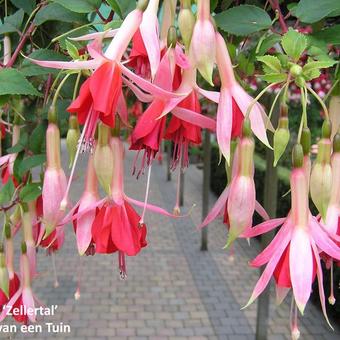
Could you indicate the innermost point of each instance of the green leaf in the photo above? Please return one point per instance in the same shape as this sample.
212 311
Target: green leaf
56 12
272 63
72 50
126 6
30 69
329 35
245 64
27 5
17 164
243 20
14 82
6 192
274 77
310 11
294 43
268 43
30 163
213 5
13 22
80 6
21 145
37 138
281 139
312 69
30 192
116 7
113 24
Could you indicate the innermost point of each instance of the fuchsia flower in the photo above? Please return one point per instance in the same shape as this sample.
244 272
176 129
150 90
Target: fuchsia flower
233 105
238 202
23 299
55 182
293 255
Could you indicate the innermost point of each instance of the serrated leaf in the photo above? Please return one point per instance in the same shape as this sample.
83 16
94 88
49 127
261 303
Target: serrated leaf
6 192
30 192
37 138
30 162
310 11
80 6
312 69
21 145
272 62
116 7
56 12
274 77
30 69
245 64
243 20
27 5
12 23
14 82
72 50
294 43
113 24
329 35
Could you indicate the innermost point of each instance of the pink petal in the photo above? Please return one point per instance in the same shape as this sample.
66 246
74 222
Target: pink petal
69 65
163 77
263 227
283 236
4 159
243 100
181 59
195 118
301 267
122 109
141 96
28 301
214 96
217 208
147 86
150 34
322 240
224 123
261 211
268 272
91 36
95 49
320 282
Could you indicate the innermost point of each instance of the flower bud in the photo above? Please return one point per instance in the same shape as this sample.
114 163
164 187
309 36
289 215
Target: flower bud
281 139
72 138
306 138
142 4
172 37
53 146
297 156
203 42
334 113
103 158
4 277
15 216
321 176
186 23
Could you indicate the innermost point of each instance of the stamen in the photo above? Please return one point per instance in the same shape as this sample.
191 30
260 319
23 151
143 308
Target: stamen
122 265
141 222
331 298
79 277
293 320
177 210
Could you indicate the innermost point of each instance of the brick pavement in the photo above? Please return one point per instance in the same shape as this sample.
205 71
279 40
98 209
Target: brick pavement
173 290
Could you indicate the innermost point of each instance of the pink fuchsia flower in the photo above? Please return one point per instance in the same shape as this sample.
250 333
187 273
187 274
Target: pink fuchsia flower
238 202
54 185
23 299
203 41
233 105
293 255
83 224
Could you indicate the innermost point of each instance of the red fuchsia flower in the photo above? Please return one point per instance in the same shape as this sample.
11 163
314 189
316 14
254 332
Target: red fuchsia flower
233 105
54 185
183 133
203 41
23 299
237 202
293 255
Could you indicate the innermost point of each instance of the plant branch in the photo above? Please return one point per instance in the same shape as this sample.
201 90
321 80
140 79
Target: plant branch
276 7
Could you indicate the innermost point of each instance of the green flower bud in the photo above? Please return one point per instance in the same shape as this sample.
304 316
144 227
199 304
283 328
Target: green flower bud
142 4
281 139
300 81
336 143
246 128
72 138
326 129
297 156
295 70
306 140
172 37
186 23
23 248
52 115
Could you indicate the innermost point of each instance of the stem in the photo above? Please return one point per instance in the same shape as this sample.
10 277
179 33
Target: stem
274 102
76 86
203 9
7 49
56 95
276 7
323 105
73 30
331 89
256 99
